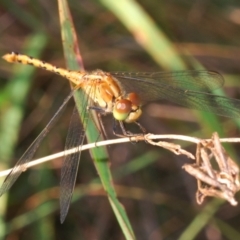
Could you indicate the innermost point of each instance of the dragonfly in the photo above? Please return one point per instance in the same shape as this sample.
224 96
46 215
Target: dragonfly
122 94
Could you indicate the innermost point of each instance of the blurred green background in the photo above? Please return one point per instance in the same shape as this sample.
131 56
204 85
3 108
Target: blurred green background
159 197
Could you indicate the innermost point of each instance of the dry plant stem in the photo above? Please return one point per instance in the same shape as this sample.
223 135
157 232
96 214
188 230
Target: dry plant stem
175 148
227 166
146 138
222 182
228 169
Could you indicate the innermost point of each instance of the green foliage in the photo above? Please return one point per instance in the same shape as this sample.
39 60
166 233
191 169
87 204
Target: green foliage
157 195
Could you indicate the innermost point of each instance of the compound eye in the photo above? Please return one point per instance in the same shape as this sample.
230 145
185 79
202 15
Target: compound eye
122 109
134 99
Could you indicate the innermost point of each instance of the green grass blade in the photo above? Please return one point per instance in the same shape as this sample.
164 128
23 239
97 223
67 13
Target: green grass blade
100 156
201 220
152 38
22 15
227 230
14 97
146 32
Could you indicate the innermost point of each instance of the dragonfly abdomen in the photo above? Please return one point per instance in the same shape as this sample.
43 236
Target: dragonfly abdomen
14 57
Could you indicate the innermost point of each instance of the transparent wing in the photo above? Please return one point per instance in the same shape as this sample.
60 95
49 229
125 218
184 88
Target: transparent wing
187 88
22 163
75 138
192 80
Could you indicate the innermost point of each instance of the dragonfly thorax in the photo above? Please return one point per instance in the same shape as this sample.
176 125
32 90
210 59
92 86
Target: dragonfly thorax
107 93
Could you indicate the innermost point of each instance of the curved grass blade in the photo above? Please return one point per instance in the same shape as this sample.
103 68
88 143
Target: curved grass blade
153 39
157 44
146 32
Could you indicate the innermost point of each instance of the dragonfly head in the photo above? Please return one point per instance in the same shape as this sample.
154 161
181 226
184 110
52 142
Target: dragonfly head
127 109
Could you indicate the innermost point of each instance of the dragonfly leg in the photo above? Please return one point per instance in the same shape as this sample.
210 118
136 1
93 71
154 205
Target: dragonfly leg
97 109
126 133
141 127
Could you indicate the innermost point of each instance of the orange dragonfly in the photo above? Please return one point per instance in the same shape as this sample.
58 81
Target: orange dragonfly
123 94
